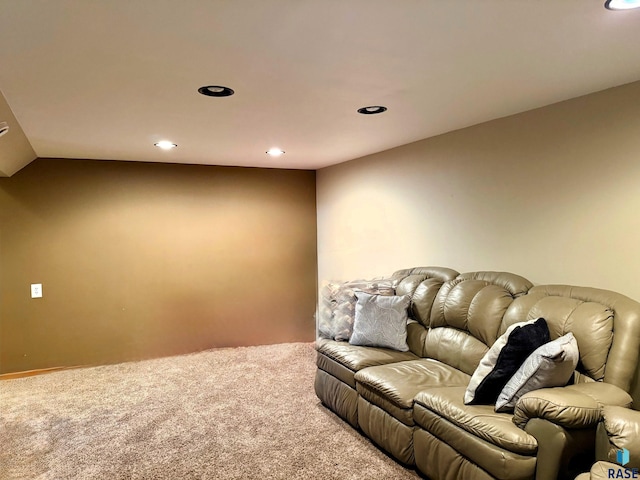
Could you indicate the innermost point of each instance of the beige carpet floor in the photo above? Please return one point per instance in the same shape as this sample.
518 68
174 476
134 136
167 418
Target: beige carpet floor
240 413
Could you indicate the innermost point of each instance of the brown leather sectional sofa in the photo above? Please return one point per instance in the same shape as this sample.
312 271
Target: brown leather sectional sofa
411 403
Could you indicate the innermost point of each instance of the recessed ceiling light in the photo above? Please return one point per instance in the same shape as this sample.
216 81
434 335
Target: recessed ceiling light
372 110
165 145
216 91
275 152
4 128
622 4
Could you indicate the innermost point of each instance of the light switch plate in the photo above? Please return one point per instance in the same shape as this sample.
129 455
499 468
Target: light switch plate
36 290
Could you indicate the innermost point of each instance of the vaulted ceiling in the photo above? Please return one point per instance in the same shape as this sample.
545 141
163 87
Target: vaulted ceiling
107 79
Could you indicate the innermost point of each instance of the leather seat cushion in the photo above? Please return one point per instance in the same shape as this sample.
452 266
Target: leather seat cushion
448 452
479 420
393 387
342 359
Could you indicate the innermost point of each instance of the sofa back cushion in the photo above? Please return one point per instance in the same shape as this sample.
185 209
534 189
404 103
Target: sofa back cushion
467 316
422 285
606 326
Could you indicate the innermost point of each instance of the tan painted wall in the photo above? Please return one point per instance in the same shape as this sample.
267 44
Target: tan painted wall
141 260
552 194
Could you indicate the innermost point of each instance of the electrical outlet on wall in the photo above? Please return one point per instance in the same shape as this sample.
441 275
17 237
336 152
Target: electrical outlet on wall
36 290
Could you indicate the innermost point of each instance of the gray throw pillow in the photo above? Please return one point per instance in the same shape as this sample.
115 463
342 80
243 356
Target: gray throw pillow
381 321
551 365
337 304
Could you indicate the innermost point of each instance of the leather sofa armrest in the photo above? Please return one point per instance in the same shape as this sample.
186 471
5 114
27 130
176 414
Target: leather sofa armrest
562 453
573 406
621 430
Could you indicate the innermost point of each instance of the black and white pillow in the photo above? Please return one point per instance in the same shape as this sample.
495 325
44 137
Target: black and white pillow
503 360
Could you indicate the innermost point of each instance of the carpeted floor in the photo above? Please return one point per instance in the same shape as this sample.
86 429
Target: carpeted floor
240 413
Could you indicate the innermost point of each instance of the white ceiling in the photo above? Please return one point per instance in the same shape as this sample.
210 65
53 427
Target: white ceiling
106 79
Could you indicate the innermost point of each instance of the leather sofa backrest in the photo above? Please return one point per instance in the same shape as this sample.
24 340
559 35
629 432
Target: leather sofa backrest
422 284
467 315
605 324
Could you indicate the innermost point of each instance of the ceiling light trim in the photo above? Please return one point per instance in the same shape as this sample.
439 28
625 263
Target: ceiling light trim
165 145
372 110
621 4
275 152
216 91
